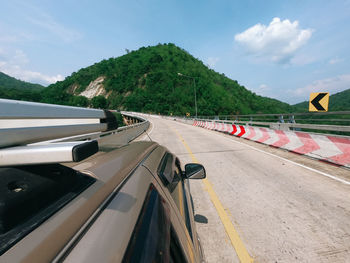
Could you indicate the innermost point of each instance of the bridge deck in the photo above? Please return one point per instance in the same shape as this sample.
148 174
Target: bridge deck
281 210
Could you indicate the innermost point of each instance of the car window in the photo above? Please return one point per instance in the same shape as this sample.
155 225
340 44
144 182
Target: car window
176 252
165 170
150 240
184 201
154 238
171 174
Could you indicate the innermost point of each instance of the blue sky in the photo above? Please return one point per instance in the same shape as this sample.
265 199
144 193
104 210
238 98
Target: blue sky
280 49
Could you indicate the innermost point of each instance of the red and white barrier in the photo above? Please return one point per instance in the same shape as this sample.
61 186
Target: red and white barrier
323 147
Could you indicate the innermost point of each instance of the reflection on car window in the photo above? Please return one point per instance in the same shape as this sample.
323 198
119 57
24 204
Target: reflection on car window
150 240
165 170
176 252
153 238
177 191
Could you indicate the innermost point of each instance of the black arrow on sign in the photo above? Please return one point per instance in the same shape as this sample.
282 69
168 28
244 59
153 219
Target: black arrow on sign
316 101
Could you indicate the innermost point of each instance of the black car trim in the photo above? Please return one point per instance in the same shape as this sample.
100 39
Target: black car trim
150 240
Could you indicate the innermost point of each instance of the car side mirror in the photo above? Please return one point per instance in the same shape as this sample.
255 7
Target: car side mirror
194 171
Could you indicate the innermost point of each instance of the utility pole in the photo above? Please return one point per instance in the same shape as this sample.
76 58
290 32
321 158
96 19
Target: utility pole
194 89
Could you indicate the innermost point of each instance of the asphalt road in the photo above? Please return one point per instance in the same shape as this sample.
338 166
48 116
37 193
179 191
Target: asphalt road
260 204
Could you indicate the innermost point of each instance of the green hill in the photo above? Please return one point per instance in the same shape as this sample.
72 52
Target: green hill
337 102
12 83
147 80
11 88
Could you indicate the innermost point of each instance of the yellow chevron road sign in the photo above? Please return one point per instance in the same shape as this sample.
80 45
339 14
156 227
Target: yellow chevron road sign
319 101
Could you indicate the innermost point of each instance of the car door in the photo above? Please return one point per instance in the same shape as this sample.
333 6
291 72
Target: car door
166 169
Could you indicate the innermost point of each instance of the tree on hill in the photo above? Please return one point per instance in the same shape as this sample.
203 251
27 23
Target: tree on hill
8 82
11 88
99 102
337 102
147 80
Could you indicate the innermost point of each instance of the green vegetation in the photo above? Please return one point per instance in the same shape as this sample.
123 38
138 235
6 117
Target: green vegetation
147 80
12 83
340 101
18 94
337 102
11 88
119 118
99 102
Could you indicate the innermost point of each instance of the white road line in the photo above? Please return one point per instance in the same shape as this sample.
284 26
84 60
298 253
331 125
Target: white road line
149 133
279 157
284 159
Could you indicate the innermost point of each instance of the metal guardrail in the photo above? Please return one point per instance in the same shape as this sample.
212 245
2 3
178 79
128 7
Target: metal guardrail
23 123
119 137
33 133
337 122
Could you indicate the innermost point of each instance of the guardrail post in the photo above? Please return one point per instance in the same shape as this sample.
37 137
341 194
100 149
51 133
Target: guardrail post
291 119
280 119
290 122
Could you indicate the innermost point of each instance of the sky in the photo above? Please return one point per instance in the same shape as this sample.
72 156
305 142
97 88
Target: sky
276 48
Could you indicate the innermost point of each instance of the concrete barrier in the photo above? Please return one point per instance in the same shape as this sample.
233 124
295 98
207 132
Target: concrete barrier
333 149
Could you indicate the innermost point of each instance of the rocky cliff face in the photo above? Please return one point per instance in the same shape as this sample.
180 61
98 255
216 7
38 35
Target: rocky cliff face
95 88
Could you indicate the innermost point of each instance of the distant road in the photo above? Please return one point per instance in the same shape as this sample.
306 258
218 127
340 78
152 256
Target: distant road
273 210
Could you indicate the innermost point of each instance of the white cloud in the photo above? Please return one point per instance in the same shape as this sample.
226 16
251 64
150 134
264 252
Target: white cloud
263 90
39 25
8 38
303 59
10 35
47 23
20 57
331 85
264 87
211 61
31 76
278 41
14 63
335 61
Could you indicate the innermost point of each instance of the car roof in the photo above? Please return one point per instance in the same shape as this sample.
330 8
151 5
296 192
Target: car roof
109 167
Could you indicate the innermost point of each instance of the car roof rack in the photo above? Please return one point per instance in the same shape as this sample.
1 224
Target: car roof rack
27 127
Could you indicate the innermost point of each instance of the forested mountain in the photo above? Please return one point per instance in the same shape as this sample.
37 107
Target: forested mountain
147 80
12 83
337 102
11 88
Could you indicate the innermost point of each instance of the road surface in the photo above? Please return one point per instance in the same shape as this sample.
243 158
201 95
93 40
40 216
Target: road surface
261 204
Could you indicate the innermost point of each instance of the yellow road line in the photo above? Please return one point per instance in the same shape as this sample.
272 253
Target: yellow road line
179 191
236 242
